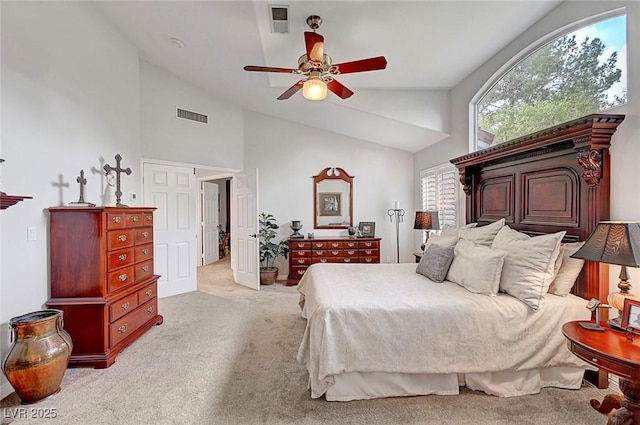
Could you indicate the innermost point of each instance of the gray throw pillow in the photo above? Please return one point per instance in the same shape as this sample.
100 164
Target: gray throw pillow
435 262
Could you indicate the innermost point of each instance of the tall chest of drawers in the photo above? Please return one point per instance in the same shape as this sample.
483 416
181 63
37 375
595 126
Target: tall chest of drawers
102 278
304 252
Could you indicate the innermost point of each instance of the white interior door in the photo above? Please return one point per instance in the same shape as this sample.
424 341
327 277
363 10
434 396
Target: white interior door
172 190
210 221
244 222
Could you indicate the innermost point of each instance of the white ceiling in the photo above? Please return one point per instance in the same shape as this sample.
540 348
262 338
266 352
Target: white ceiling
430 46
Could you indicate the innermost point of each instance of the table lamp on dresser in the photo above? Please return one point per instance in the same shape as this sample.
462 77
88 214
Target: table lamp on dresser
615 242
426 220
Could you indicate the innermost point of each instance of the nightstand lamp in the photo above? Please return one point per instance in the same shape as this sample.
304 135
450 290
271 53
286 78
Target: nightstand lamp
426 220
615 242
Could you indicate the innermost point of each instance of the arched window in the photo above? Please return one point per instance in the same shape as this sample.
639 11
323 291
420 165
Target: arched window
577 74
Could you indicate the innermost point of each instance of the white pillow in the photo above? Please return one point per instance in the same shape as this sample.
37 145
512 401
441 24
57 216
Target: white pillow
570 268
482 235
476 267
449 230
529 265
444 241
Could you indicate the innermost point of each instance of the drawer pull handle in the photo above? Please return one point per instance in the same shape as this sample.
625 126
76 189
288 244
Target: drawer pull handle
149 293
116 219
335 245
323 260
123 277
145 251
145 234
347 260
122 238
335 252
150 309
368 260
367 251
300 271
134 218
145 268
594 360
122 257
367 244
300 261
125 305
149 218
351 252
300 245
318 252
122 329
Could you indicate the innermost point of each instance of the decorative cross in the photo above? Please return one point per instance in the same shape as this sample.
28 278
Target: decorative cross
80 179
108 168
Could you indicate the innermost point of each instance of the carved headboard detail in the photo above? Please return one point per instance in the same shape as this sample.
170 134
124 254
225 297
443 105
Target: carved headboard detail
553 180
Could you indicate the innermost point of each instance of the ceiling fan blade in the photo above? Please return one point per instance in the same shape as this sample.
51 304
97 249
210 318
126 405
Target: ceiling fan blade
291 90
340 90
314 43
370 64
269 69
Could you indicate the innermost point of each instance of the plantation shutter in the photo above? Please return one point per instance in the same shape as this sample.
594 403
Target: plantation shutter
439 190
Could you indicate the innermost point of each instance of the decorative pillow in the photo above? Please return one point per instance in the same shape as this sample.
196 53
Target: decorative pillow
476 267
482 235
505 236
569 269
449 230
446 241
435 262
529 265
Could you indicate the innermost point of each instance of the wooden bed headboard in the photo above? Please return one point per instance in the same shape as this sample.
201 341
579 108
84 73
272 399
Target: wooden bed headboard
553 180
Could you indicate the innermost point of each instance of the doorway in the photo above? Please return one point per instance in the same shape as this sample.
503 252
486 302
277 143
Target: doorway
215 213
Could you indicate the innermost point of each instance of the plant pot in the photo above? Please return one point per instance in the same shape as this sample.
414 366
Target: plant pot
38 356
268 276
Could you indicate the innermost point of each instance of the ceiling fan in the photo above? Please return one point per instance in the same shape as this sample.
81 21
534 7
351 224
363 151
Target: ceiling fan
316 66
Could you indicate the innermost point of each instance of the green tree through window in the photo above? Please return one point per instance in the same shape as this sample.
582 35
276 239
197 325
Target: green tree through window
565 79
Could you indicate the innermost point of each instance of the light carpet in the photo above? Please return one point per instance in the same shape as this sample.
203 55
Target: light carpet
226 355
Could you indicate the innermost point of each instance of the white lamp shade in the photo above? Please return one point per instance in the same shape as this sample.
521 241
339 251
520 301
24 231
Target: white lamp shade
314 89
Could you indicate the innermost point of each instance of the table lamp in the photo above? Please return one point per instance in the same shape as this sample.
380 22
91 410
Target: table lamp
614 242
426 220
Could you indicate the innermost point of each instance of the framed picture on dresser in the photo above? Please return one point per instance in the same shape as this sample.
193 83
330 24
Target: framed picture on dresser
367 229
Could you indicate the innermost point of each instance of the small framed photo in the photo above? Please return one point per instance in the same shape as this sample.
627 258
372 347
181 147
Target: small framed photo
329 203
631 315
367 229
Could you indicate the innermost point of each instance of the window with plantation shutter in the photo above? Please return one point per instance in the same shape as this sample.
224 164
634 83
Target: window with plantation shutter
439 190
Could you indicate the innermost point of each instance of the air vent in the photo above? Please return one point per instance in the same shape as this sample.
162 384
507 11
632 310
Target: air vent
279 18
193 116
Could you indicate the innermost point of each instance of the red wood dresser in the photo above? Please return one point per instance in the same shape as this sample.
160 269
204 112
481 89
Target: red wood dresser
102 278
304 252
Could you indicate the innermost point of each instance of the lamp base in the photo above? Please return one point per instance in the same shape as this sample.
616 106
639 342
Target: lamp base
615 323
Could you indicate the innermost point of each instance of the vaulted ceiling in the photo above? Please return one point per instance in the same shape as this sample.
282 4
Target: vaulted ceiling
430 46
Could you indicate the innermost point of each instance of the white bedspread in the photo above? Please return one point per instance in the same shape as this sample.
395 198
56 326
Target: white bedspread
388 318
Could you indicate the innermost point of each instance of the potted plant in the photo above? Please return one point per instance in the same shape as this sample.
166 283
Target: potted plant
269 249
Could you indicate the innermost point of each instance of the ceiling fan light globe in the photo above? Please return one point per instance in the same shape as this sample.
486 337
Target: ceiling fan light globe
314 89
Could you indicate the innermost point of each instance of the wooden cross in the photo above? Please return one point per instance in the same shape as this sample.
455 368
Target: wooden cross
108 168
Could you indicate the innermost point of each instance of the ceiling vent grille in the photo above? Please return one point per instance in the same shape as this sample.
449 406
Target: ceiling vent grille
279 18
193 116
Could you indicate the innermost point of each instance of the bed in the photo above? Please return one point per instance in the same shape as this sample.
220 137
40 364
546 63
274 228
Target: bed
382 330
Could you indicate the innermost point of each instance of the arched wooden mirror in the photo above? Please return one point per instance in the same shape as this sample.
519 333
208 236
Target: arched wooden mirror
332 199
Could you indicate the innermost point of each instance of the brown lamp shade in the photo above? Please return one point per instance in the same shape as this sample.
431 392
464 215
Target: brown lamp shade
613 242
426 220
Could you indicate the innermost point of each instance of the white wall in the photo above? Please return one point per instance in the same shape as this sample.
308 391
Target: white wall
288 155
69 98
216 144
625 149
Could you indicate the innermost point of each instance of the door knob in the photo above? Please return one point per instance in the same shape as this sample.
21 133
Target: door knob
253 236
